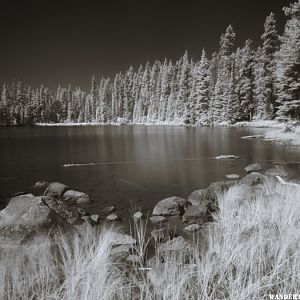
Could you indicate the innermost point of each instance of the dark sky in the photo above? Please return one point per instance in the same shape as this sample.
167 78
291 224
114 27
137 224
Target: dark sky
54 42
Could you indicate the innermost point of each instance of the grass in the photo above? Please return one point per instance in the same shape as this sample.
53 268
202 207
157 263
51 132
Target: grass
250 251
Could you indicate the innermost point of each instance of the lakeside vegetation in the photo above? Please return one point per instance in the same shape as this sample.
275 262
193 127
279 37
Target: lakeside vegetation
249 251
234 84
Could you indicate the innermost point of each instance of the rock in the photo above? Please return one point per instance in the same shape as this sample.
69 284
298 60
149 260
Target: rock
71 215
18 194
257 136
197 214
158 219
254 179
277 172
226 156
120 252
113 218
193 228
172 206
55 189
207 198
119 238
162 235
95 218
138 216
233 176
215 189
75 196
41 184
27 220
253 167
107 210
197 197
24 210
176 244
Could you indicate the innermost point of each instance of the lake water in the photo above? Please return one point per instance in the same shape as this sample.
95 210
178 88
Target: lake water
120 165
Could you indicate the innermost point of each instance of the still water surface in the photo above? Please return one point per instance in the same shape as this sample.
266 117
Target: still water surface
119 165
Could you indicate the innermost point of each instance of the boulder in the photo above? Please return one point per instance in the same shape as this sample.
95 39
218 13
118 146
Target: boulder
193 228
253 167
162 235
27 220
176 244
197 214
24 210
158 219
214 191
41 184
71 215
253 179
55 189
207 198
113 218
75 196
119 238
173 206
197 197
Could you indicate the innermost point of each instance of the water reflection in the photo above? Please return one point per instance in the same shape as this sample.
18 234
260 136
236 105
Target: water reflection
149 163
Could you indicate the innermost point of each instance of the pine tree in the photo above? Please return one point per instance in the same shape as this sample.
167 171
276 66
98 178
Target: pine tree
128 101
227 42
154 87
246 82
145 94
94 99
260 103
220 99
183 107
4 106
203 92
20 104
270 46
288 66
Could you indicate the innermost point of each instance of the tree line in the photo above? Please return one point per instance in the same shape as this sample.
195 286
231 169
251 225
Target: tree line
234 84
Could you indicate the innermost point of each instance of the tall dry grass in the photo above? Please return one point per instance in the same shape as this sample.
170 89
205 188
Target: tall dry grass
250 251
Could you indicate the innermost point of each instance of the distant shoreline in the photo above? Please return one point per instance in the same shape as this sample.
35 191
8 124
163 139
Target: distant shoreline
258 124
284 133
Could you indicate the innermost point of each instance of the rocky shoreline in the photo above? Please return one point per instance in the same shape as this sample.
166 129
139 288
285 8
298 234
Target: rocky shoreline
29 219
200 247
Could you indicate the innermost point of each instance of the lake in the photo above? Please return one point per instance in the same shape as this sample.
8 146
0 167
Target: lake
130 165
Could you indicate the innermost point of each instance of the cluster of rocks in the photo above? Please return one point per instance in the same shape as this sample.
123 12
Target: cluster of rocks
196 213
29 218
